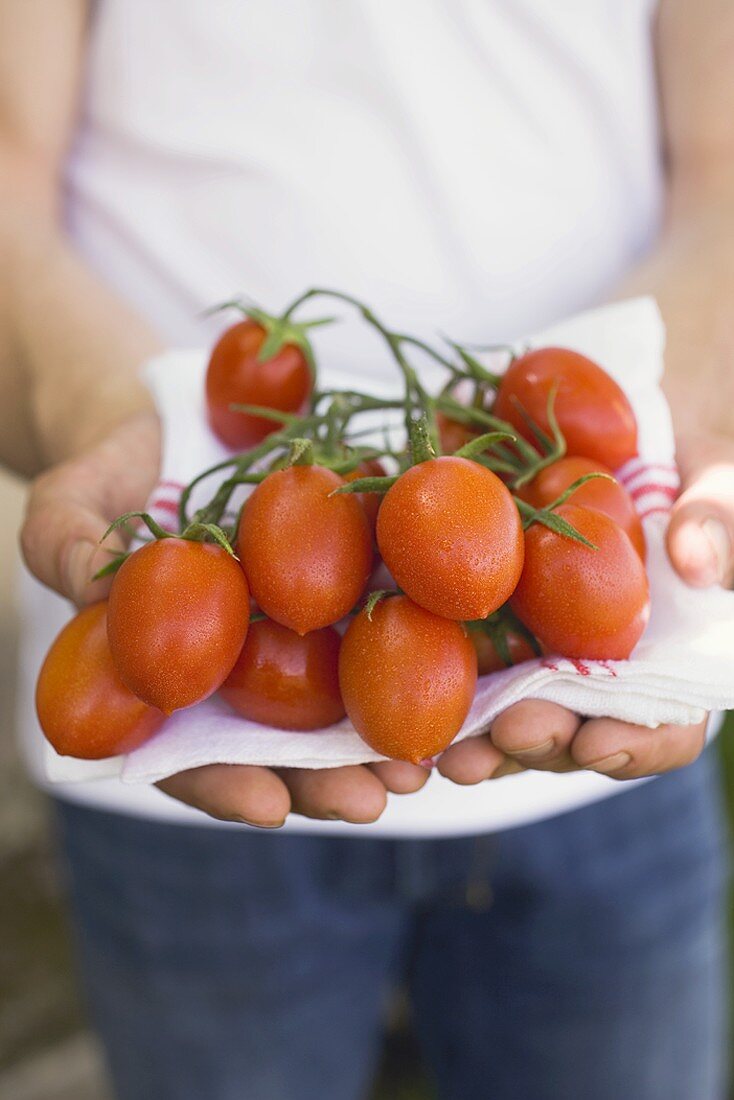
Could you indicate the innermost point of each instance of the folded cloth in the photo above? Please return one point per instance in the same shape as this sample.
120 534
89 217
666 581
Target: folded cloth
681 668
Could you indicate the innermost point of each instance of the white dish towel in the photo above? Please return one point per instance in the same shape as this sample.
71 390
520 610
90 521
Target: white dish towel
682 667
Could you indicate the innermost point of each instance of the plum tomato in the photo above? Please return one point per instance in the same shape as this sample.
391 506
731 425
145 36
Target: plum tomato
285 679
593 412
83 706
236 376
407 678
580 602
307 554
177 620
606 496
450 534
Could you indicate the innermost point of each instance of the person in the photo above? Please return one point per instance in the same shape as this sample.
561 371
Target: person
476 168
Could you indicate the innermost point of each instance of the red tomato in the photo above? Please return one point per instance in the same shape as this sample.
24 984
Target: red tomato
580 602
407 679
450 534
606 496
371 467
235 376
177 620
83 706
488 657
593 413
287 680
452 433
307 554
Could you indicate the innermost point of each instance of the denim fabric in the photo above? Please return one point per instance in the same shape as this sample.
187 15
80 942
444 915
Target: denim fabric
580 958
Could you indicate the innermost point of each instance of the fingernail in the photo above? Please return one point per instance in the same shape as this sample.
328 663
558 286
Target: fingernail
610 763
258 824
332 815
718 537
79 568
508 767
534 752
429 763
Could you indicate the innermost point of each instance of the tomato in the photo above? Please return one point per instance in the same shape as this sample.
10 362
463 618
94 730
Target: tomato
580 602
593 412
606 496
83 706
307 554
371 467
407 679
450 534
488 658
177 620
287 680
235 376
452 433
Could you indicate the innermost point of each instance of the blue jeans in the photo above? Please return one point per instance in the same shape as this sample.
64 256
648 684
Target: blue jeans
576 959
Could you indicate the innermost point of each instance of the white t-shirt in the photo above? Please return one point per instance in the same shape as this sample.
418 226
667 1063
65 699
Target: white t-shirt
481 167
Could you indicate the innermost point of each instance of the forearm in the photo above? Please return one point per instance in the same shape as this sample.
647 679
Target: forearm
69 347
691 274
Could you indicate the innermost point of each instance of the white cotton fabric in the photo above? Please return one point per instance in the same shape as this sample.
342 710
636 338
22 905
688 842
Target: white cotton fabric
681 668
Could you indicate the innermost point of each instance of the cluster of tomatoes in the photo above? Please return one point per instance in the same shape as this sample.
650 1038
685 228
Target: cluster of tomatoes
359 580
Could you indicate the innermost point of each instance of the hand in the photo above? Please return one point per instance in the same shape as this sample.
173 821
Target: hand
534 734
69 509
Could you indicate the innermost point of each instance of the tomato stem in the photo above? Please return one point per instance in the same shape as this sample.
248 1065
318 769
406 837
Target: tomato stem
376 597
421 444
301 453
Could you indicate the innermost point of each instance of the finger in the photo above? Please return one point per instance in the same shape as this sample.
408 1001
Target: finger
399 777
473 760
625 751
60 541
700 536
353 794
232 792
71 506
536 734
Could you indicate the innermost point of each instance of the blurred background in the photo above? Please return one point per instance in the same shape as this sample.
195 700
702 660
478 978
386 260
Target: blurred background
46 1049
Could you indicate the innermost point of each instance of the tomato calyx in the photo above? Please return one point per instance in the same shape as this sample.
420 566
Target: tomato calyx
547 515
279 331
193 532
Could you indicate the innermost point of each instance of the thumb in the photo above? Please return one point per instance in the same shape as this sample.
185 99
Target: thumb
71 506
700 536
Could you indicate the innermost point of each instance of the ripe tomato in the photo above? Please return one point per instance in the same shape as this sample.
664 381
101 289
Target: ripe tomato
452 434
606 496
407 679
307 555
177 620
83 706
450 534
235 376
287 680
592 411
580 602
371 467
488 657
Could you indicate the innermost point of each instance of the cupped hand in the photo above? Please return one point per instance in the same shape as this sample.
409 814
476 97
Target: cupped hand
69 509
547 737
